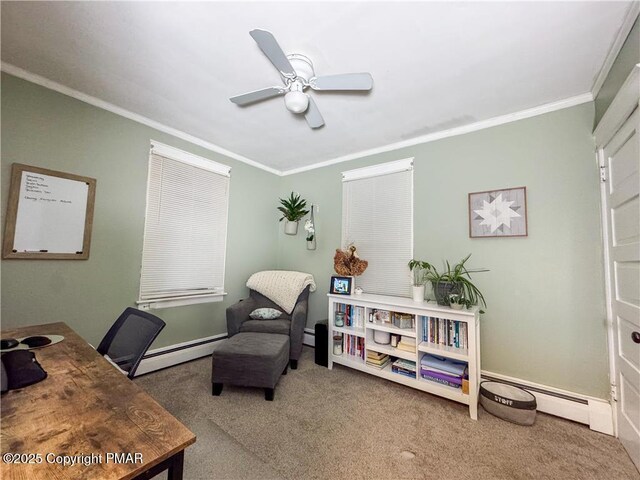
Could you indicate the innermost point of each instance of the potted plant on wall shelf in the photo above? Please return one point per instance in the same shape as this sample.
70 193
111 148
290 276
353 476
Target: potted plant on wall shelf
292 209
419 271
455 280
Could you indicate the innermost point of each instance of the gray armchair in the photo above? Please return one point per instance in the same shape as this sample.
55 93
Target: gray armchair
238 320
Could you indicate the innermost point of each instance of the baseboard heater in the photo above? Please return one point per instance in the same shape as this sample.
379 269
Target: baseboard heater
176 354
535 390
181 347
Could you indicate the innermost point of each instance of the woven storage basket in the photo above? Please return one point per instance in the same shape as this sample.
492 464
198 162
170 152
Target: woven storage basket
510 403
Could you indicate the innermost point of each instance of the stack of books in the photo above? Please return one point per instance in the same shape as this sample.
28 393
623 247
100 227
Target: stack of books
407 344
404 367
377 360
443 370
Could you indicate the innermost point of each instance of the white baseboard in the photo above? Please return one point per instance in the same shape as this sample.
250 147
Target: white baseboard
309 337
594 412
172 355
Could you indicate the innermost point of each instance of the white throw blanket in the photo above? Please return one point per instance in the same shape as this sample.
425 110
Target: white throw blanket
281 286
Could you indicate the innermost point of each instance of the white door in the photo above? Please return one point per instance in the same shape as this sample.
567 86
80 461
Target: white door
621 161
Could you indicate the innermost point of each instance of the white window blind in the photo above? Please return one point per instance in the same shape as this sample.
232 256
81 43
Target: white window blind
377 216
185 233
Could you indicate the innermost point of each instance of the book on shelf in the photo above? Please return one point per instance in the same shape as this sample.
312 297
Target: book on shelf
406 346
443 364
442 331
406 364
354 346
448 380
404 367
379 363
375 355
401 371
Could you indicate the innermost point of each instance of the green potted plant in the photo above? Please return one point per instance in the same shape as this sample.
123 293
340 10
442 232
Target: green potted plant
419 271
456 301
292 209
456 280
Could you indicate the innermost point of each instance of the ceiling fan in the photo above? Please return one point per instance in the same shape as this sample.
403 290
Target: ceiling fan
297 75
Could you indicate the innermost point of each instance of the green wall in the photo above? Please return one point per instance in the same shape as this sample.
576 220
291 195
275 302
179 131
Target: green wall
628 57
47 129
545 320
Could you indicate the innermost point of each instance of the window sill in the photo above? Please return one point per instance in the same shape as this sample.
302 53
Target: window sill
179 301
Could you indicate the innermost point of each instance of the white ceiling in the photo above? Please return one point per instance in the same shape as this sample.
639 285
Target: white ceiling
435 65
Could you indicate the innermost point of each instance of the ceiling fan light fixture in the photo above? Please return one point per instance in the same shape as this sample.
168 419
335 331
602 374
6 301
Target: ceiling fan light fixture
296 101
297 75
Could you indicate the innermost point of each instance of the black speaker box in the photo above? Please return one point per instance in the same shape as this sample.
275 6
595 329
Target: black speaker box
322 343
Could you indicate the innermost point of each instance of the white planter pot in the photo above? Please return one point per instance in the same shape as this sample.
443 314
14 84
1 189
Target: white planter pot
290 228
418 293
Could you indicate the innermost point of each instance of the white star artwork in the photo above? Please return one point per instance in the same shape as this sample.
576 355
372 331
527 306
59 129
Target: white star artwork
498 213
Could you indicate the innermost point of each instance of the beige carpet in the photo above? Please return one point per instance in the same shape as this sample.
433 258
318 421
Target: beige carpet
346 424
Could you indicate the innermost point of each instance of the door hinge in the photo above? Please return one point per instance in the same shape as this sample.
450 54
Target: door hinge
614 393
603 174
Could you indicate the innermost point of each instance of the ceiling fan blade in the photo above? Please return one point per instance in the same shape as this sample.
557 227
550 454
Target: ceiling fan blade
345 81
269 46
313 116
256 96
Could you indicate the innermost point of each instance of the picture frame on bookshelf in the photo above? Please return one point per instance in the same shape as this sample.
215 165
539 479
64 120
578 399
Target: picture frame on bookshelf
382 316
341 285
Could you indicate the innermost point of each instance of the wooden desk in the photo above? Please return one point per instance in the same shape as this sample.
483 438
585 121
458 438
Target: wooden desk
84 407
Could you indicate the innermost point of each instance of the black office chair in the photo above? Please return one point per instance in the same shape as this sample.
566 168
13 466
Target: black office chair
129 338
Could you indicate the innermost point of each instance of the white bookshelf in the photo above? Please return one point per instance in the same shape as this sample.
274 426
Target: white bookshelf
369 302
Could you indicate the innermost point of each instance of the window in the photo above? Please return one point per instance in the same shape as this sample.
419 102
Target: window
185 232
377 216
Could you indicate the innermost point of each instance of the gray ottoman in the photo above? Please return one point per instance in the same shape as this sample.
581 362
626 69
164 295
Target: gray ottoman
250 359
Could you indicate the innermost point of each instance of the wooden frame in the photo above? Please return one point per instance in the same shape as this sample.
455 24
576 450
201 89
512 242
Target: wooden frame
494 232
341 285
8 251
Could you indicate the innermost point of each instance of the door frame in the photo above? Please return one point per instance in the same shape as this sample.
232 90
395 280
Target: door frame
623 105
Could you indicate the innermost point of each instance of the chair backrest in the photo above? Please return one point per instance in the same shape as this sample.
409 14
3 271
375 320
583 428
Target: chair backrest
129 338
264 302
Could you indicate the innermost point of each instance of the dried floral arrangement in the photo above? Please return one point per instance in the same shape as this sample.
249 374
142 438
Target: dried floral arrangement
347 263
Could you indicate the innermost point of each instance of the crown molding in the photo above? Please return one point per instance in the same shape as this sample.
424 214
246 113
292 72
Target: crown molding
96 102
616 46
473 127
431 137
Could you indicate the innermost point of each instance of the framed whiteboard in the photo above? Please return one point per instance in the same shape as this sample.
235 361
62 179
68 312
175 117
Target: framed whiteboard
49 214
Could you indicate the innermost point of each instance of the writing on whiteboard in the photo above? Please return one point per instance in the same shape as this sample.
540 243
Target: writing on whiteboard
51 214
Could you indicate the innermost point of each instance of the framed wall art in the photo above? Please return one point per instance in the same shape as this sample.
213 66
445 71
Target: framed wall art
498 213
